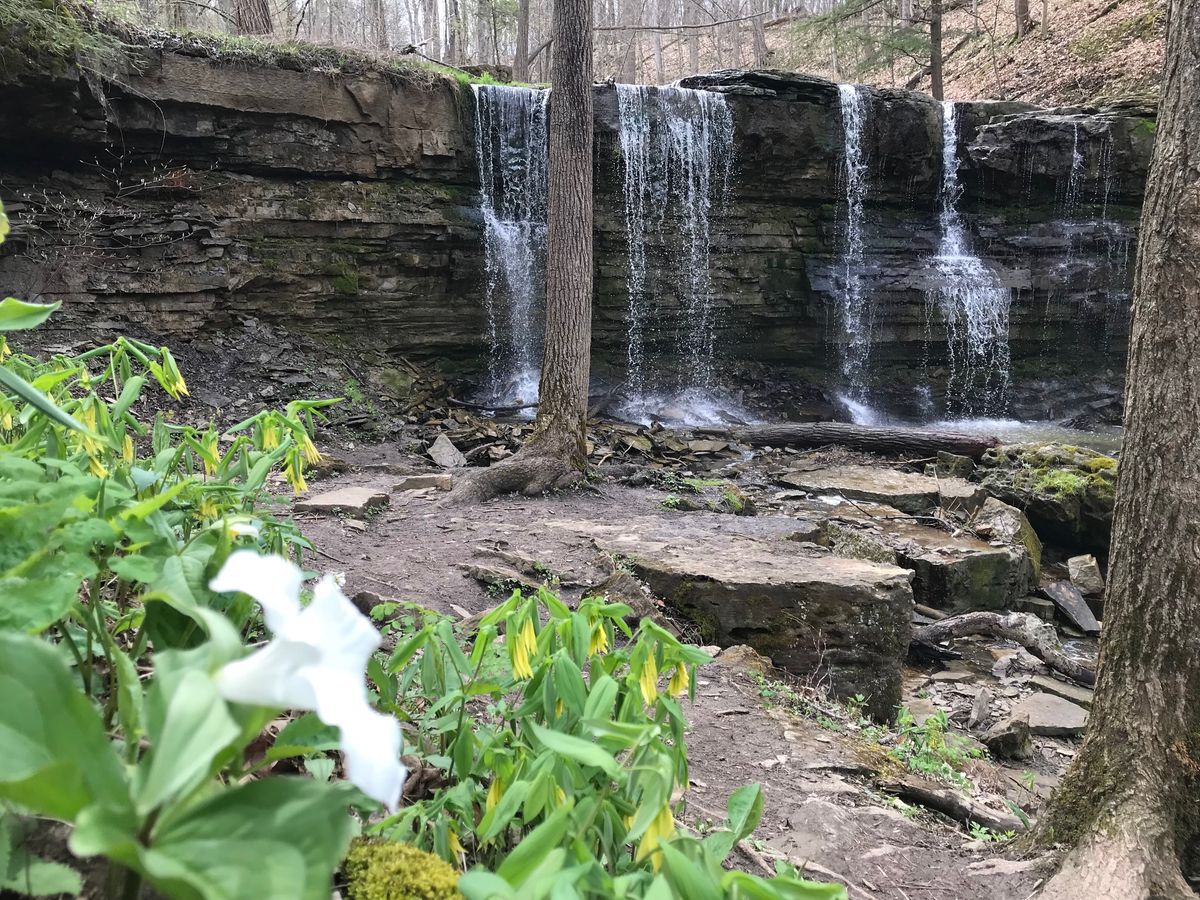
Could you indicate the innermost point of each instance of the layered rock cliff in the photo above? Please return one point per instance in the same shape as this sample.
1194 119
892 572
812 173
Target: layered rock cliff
185 194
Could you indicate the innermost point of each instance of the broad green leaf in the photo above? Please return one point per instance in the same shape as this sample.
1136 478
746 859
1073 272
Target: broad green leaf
497 819
578 749
23 873
57 758
129 394
15 384
745 809
479 884
529 855
278 837
136 567
155 503
688 878
302 736
600 698
188 724
34 604
17 315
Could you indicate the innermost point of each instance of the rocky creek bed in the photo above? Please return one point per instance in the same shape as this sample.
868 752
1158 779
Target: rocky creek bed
820 560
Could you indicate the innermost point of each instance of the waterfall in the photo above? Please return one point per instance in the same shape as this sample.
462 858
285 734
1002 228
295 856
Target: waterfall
855 311
677 150
1075 176
511 143
973 303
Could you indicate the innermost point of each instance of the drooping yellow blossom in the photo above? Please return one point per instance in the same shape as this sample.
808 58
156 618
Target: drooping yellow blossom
97 468
293 471
679 680
310 451
560 796
270 434
521 647
5 350
208 509
127 449
456 846
495 792
661 828
648 680
599 640
209 442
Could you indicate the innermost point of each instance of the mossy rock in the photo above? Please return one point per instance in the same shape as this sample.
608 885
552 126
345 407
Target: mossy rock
387 870
1067 492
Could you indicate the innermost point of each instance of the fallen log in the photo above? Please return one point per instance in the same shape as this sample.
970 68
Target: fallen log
871 438
951 803
1036 636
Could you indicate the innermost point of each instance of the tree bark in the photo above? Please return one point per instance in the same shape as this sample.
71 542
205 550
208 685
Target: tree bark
1131 799
252 16
556 453
521 57
935 50
1021 8
872 438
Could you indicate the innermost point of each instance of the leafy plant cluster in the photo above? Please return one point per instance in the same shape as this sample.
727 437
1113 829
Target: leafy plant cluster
547 751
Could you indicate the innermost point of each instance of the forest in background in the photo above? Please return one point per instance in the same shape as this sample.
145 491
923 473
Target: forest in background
1044 51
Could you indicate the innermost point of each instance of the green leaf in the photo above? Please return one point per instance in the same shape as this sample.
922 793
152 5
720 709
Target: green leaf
277 837
600 698
479 884
17 315
136 567
34 604
529 855
39 401
129 394
578 749
57 758
497 819
188 724
155 503
303 736
23 873
745 809
687 878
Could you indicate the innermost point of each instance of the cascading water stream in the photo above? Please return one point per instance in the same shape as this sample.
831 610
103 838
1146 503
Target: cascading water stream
974 305
511 143
855 309
677 149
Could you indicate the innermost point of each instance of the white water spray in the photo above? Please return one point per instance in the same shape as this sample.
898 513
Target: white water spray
856 313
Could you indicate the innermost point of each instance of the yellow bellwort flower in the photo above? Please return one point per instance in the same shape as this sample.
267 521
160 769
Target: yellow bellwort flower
520 648
211 454
679 680
599 640
270 435
661 828
5 350
456 846
648 680
495 792
311 454
127 449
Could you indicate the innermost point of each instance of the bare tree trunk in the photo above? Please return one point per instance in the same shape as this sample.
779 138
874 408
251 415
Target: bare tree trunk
1131 799
521 57
454 34
1045 18
252 16
556 453
433 27
935 50
1021 8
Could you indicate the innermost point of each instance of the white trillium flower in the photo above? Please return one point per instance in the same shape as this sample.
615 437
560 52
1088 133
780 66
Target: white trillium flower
316 661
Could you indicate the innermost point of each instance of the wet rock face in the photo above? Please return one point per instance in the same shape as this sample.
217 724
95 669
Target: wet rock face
346 207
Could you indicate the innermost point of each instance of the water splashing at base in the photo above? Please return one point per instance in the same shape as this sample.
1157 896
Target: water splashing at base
511 142
973 304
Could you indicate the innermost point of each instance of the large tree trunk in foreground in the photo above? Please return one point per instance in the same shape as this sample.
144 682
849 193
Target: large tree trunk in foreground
1131 800
556 453
870 438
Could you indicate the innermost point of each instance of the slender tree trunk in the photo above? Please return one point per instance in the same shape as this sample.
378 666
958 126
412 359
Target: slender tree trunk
556 455
252 16
1045 18
1021 8
521 57
935 50
1131 800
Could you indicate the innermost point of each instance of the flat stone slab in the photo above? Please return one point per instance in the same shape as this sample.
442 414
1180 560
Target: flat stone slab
905 491
1073 607
844 620
1073 692
441 481
954 572
352 501
1051 716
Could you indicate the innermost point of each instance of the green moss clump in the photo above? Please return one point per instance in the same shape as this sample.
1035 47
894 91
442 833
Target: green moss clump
1100 464
387 870
1060 481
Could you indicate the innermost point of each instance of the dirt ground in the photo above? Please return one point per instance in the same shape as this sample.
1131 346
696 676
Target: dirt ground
823 808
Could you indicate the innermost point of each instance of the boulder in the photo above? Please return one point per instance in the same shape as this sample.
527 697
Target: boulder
353 501
1086 575
445 454
905 491
1079 695
1066 492
844 621
1051 716
998 521
1072 606
953 572
1039 606
1010 739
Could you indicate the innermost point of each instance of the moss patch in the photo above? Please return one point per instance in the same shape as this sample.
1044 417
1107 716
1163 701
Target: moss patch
386 870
